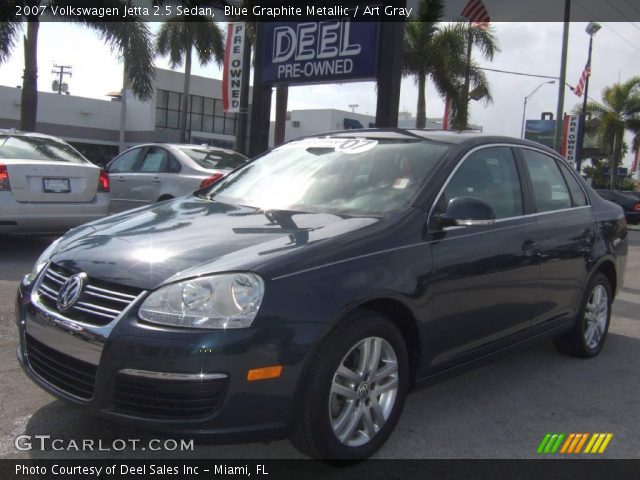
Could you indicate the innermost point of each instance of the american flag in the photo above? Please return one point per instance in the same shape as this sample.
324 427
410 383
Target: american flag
477 14
579 88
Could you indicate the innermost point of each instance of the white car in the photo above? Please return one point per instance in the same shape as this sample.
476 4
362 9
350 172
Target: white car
156 172
46 186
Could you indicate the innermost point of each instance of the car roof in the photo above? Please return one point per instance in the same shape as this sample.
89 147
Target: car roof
444 136
186 145
20 133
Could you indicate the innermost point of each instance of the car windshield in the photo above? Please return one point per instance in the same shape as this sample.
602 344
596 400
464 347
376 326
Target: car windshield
334 175
214 159
38 148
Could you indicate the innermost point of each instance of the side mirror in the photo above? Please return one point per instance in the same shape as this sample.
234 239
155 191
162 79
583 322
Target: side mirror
467 211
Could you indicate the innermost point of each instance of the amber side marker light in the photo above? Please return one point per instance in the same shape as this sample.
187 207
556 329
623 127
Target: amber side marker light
264 373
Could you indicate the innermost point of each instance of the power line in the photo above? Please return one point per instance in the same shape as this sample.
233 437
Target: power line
632 5
622 13
517 73
608 27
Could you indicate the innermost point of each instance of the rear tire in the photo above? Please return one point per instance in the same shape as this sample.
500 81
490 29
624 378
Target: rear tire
589 333
354 390
164 198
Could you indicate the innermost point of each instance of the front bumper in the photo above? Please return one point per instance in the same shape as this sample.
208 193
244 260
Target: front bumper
64 356
23 217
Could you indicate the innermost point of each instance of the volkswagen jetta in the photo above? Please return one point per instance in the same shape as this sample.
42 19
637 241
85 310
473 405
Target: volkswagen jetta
307 292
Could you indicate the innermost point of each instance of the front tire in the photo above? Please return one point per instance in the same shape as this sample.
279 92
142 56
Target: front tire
589 333
355 389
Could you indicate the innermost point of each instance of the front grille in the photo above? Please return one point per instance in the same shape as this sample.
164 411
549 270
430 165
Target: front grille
66 373
99 303
168 399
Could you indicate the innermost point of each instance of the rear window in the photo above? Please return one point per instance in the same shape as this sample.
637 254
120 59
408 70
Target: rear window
215 159
37 148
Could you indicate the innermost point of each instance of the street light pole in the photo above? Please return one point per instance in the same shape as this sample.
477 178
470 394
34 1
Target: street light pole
526 99
592 29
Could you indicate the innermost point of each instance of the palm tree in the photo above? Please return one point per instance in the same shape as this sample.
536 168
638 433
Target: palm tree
177 39
619 111
439 52
131 40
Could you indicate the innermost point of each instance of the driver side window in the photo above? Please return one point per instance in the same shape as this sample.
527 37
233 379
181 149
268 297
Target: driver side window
490 175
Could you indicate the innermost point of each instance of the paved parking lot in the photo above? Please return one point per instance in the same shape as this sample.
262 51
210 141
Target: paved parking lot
499 411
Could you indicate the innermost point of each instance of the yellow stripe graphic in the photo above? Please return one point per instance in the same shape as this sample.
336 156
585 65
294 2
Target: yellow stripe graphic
593 440
607 439
567 443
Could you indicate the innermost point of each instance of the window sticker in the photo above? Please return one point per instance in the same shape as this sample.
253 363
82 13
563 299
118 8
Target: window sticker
344 145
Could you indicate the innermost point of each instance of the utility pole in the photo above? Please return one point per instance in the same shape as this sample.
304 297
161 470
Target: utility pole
61 71
557 139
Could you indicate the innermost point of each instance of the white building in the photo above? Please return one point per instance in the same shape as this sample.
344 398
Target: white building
93 126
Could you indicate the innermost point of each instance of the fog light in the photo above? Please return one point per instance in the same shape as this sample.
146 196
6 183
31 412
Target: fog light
264 373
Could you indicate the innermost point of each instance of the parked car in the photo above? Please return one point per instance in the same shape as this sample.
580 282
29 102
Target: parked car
307 292
634 194
156 172
47 186
629 203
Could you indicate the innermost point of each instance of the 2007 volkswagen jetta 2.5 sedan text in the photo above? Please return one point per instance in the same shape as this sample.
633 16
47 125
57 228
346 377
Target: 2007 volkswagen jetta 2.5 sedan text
306 293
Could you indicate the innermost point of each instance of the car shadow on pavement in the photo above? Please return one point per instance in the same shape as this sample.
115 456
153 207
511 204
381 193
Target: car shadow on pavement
501 410
16 252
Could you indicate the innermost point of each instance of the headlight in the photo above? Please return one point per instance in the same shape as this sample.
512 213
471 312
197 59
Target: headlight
220 301
41 262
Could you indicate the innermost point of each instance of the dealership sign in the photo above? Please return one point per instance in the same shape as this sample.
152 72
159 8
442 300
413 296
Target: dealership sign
570 138
232 74
541 131
318 52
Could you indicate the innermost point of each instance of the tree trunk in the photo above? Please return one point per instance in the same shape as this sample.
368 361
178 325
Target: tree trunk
185 97
421 109
282 96
615 158
29 100
462 115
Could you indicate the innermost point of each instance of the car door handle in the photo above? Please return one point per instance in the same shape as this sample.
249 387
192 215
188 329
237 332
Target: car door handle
157 180
120 179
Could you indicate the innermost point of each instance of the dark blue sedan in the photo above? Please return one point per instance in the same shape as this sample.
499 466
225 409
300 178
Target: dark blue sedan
307 292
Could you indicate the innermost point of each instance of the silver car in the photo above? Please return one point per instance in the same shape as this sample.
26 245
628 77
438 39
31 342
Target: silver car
152 173
46 186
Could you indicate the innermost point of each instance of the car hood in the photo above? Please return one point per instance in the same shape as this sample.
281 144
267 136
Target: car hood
190 236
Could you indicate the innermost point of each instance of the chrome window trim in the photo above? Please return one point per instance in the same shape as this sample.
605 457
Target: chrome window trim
571 170
134 372
509 145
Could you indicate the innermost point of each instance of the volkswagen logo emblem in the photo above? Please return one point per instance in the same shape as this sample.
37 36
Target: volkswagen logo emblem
70 291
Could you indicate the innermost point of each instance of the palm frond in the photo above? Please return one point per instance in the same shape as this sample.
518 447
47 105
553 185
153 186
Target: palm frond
132 41
9 32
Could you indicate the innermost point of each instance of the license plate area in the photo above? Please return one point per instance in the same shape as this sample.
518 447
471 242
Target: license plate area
56 185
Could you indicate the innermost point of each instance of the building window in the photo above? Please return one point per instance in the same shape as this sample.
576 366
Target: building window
204 115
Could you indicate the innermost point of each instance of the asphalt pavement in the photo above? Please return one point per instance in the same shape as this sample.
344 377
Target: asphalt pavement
502 410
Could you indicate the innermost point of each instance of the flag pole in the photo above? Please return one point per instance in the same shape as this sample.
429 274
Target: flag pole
583 117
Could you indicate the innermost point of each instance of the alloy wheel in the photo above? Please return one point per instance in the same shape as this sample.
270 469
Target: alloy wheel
595 316
363 391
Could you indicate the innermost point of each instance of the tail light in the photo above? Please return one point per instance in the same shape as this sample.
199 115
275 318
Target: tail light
211 180
4 178
104 182
636 207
